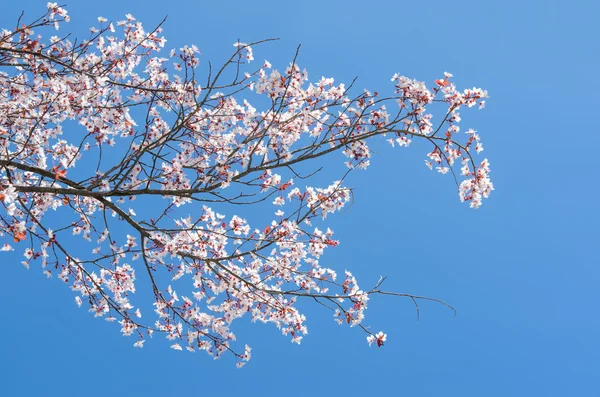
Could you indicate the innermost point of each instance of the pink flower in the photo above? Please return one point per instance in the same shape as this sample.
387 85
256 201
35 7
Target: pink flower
379 338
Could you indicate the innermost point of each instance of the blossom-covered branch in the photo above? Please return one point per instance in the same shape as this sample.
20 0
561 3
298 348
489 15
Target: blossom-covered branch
137 152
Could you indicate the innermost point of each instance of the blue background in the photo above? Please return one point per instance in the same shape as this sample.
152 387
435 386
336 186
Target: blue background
522 271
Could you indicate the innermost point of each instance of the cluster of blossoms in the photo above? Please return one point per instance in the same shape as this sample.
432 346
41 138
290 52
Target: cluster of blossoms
148 130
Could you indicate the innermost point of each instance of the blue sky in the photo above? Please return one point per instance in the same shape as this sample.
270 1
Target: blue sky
522 271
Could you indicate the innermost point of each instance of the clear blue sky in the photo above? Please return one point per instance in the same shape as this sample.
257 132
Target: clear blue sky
522 271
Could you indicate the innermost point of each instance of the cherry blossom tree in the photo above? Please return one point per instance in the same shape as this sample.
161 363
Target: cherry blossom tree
93 130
